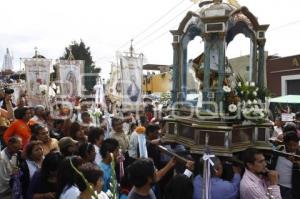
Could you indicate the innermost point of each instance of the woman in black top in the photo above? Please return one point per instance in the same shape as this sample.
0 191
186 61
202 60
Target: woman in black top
44 181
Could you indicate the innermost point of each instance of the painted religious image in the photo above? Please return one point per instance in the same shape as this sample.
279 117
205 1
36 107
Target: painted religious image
133 90
37 78
70 78
132 79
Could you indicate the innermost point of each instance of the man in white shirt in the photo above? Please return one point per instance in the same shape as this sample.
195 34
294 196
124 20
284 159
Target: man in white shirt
8 165
288 167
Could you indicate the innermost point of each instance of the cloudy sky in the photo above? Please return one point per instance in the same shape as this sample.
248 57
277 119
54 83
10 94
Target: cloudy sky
108 25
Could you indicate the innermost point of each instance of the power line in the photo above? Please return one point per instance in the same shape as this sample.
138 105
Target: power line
147 36
285 25
159 36
274 29
151 25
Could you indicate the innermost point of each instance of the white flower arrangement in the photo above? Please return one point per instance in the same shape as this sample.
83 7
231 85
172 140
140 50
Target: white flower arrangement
246 98
254 113
165 99
97 112
227 89
43 89
232 108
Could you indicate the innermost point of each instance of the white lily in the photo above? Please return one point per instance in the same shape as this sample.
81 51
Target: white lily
232 108
249 102
227 89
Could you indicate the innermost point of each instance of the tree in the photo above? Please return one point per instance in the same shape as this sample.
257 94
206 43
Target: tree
81 52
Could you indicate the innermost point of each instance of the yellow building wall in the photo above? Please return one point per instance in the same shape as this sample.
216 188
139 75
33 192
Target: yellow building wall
159 83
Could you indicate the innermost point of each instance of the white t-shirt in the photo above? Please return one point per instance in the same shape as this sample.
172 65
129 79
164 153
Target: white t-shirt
98 157
277 131
33 167
70 193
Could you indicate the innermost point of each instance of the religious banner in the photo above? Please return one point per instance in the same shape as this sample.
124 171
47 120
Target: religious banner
69 77
131 75
19 90
37 80
114 87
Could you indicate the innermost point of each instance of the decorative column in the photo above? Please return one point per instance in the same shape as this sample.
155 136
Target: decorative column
261 63
176 57
184 74
253 60
206 78
221 67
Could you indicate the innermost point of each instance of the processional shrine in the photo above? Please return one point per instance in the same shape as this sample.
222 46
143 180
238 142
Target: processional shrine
217 23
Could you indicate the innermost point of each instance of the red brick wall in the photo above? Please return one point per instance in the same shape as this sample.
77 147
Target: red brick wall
277 67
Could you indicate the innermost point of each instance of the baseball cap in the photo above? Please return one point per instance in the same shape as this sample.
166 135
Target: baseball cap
66 142
8 91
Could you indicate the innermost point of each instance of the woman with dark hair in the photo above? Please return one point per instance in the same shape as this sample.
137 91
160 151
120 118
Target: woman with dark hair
33 162
41 133
179 187
77 132
44 181
87 152
96 137
93 175
19 127
66 178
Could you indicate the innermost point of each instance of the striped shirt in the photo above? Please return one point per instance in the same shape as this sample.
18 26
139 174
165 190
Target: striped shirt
253 187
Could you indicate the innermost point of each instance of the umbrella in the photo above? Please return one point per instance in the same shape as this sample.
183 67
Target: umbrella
289 99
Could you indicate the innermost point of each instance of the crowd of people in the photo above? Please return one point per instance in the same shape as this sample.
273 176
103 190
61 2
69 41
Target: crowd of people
47 157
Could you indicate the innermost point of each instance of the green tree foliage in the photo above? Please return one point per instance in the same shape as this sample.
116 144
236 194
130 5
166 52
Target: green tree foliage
81 52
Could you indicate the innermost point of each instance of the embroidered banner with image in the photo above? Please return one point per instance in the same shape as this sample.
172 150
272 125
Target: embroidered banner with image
69 76
37 80
131 75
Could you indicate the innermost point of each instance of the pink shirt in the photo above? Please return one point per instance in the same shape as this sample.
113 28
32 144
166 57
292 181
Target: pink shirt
253 187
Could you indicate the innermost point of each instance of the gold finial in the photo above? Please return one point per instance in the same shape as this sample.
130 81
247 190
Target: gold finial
234 3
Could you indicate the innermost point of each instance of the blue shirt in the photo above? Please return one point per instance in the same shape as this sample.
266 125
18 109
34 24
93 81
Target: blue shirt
123 196
106 168
220 189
